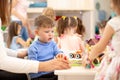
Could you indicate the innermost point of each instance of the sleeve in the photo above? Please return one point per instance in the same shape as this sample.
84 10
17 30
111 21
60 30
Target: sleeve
32 53
14 53
15 65
11 52
114 23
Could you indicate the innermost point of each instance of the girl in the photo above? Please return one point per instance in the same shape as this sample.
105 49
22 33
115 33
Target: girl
14 38
110 69
68 39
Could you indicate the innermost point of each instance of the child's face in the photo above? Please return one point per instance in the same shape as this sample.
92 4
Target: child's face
45 34
19 29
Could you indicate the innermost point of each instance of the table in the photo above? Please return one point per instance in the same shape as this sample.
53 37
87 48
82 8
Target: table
76 73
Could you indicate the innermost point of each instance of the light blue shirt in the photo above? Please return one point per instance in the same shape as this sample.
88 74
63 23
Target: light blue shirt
14 45
42 52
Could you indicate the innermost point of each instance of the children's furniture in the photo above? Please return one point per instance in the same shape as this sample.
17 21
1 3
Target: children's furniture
76 73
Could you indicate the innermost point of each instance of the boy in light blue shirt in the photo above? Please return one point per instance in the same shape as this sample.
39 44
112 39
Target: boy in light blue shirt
44 48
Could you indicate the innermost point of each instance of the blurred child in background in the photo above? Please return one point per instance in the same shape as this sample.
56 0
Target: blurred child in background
68 40
14 38
49 12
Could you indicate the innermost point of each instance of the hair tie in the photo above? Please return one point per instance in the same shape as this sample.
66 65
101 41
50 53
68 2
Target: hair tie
75 17
63 17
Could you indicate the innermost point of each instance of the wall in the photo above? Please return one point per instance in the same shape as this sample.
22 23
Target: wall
104 5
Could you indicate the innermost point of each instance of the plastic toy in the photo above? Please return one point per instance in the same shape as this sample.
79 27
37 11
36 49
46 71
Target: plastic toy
76 55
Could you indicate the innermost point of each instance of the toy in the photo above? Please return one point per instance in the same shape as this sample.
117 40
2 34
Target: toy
75 58
89 45
77 54
89 64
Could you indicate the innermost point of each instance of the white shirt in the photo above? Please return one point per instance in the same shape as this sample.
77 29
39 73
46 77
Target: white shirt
13 64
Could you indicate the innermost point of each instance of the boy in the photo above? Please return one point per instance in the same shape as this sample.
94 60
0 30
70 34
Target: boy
44 48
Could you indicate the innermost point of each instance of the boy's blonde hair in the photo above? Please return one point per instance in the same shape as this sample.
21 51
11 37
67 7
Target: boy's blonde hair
49 12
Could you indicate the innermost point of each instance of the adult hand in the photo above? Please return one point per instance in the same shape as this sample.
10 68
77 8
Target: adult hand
54 64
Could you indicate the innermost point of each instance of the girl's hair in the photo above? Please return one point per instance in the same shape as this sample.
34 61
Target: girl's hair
43 21
49 12
116 3
12 31
5 11
80 28
65 23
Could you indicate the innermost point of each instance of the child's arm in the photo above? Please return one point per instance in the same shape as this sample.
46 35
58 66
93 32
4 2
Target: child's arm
22 42
100 46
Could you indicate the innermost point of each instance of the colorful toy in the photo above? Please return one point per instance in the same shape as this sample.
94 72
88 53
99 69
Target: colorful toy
75 58
76 55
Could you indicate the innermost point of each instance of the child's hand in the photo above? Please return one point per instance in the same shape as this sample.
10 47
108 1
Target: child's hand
61 56
87 63
29 40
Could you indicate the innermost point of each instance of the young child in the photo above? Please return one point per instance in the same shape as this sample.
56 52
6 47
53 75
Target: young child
14 38
49 12
112 32
68 39
44 48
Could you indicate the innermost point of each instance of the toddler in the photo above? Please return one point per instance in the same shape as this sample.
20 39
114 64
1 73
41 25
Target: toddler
44 48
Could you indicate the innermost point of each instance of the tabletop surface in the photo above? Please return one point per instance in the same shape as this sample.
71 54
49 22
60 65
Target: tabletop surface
76 71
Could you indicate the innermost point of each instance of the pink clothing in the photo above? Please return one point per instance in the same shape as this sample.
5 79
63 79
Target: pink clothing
70 42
